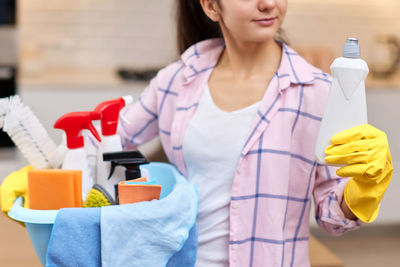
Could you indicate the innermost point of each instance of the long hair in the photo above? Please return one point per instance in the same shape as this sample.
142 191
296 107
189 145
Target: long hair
193 25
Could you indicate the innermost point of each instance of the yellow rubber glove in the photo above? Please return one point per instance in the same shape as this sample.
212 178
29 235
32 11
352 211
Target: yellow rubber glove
365 152
13 186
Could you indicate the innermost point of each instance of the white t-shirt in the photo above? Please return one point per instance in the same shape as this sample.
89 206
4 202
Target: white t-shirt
211 149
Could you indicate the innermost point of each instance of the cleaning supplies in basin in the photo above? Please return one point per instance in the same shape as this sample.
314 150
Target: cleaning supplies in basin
111 141
50 189
79 230
73 123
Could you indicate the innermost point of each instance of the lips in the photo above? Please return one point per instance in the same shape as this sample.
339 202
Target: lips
265 19
266 22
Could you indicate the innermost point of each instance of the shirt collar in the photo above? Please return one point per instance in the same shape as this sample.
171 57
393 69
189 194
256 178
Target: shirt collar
293 69
204 55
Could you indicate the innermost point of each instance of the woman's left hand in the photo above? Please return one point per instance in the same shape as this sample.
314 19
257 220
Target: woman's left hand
365 152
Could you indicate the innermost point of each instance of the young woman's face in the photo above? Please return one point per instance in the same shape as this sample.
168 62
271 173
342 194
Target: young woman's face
252 20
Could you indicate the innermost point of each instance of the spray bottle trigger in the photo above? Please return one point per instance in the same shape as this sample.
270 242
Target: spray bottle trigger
93 131
112 168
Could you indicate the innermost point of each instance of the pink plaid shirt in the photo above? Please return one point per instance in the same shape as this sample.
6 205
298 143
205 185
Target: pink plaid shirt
277 173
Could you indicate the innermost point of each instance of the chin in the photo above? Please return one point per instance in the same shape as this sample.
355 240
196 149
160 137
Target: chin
255 35
261 38
263 35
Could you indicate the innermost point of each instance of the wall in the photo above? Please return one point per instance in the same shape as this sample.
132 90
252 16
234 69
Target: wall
99 34
327 23
106 34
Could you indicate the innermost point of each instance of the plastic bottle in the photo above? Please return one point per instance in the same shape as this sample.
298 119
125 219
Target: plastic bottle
76 158
130 160
111 141
346 105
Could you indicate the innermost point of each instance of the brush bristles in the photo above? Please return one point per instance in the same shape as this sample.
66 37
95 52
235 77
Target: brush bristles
28 134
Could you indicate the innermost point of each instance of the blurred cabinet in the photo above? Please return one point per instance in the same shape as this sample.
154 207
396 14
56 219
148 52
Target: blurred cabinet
8 56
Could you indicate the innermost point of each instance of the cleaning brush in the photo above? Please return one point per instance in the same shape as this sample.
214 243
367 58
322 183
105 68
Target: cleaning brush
29 135
98 197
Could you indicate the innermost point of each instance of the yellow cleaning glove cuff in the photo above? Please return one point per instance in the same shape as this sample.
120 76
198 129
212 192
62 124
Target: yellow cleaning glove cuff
13 186
365 152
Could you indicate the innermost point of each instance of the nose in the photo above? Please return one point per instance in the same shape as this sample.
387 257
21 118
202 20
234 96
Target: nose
266 4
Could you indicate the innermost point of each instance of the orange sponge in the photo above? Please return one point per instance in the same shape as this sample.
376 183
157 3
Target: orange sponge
132 193
141 179
51 189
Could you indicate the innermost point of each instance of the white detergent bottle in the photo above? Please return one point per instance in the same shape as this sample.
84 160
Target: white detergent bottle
76 157
346 106
111 142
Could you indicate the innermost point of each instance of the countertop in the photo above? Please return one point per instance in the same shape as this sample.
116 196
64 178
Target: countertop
71 77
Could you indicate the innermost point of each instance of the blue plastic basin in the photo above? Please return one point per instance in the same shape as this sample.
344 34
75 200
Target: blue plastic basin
39 223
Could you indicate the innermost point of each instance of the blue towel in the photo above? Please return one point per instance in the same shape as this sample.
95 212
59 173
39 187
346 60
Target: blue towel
151 233
75 238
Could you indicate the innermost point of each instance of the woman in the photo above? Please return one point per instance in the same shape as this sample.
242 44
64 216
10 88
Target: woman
238 115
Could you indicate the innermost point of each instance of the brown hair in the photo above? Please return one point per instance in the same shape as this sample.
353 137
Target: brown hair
193 25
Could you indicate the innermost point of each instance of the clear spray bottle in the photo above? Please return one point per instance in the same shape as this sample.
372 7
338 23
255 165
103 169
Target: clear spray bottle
76 158
111 141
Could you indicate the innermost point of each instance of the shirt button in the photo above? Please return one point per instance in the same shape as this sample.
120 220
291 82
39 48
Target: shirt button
234 246
235 205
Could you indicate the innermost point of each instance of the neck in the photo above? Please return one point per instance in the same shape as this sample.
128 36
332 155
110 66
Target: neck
245 60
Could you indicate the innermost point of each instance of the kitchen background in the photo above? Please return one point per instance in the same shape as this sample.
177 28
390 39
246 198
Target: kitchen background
71 55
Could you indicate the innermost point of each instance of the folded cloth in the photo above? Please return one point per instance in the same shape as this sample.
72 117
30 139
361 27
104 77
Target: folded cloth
75 238
149 233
